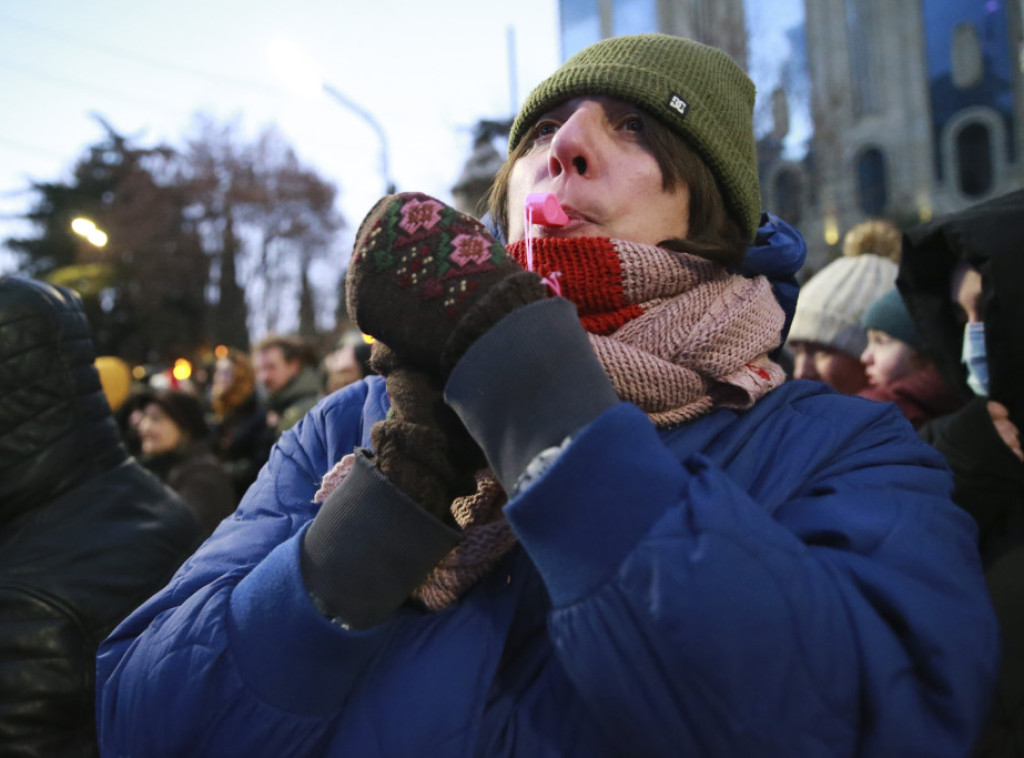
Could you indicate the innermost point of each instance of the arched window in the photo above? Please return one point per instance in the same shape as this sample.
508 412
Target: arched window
786 192
872 184
974 159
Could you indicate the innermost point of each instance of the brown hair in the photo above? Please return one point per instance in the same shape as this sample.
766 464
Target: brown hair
243 384
713 234
292 348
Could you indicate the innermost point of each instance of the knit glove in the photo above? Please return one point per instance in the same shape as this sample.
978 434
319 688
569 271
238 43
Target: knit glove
434 285
422 447
427 281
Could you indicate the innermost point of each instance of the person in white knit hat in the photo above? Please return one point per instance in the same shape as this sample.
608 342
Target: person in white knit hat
827 338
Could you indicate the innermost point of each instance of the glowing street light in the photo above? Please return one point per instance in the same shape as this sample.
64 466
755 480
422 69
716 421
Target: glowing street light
86 228
299 72
182 369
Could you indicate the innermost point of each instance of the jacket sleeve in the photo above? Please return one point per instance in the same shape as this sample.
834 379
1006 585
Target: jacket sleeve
46 677
697 614
210 665
790 595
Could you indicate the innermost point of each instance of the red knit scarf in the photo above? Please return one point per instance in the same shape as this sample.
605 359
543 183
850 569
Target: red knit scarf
677 335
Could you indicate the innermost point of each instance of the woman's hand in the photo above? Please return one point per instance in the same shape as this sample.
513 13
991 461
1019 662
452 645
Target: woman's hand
1008 431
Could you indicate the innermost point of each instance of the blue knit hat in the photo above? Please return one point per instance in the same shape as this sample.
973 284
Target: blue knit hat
889 314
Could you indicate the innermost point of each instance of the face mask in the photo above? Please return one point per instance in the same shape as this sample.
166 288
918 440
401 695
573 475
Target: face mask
975 359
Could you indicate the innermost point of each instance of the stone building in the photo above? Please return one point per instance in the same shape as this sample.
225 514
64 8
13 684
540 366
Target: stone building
714 22
917 106
917 111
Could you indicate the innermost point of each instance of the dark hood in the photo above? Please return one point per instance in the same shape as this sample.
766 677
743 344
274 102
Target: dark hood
56 427
990 237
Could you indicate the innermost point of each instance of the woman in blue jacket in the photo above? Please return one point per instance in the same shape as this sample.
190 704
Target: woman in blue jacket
597 524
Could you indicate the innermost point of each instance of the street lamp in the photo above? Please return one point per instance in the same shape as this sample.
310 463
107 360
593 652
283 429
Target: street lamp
299 71
86 228
389 185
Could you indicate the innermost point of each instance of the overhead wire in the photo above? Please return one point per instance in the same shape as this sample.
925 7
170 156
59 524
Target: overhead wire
135 57
138 57
121 54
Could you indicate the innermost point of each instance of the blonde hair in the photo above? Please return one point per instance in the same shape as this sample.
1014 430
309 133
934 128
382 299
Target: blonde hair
874 236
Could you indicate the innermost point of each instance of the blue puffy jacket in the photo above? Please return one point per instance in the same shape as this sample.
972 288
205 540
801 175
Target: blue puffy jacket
709 593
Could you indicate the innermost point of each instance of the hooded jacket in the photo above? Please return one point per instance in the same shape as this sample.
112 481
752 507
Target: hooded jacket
86 534
750 583
989 479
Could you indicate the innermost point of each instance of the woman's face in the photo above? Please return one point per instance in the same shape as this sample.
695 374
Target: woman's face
823 363
157 432
887 359
592 153
223 375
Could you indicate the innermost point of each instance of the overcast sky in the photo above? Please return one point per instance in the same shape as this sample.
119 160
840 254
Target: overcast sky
426 71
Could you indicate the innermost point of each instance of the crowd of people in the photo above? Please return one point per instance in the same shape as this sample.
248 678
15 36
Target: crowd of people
603 486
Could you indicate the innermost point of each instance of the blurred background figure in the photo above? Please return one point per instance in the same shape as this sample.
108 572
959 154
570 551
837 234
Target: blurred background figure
348 362
86 534
827 338
286 369
176 447
241 437
962 277
128 416
898 370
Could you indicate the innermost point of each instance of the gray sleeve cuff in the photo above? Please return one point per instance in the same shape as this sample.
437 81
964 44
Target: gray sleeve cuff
528 383
370 546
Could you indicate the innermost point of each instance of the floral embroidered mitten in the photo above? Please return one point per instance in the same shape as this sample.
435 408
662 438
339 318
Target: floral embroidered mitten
420 269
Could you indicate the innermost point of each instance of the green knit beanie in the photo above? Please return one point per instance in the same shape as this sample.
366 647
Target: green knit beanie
697 91
889 314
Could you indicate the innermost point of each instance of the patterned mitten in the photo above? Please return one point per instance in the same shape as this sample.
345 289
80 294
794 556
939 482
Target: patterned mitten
422 447
420 269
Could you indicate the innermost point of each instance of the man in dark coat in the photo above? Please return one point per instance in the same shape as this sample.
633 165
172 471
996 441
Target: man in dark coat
86 534
285 369
962 277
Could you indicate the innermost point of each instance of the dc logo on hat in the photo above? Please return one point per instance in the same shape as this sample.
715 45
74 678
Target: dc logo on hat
679 105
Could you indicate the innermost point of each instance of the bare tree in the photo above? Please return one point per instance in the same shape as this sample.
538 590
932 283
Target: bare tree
267 219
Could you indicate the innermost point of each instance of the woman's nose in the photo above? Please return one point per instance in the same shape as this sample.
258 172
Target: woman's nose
803 366
575 147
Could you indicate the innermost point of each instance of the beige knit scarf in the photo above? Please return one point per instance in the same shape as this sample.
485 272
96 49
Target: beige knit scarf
678 335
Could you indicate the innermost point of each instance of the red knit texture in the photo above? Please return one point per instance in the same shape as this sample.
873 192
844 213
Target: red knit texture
591 276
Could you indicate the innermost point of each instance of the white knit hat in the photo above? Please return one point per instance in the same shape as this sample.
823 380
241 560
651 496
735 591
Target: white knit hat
833 301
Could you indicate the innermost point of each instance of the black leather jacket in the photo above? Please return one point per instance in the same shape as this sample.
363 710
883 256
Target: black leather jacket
86 534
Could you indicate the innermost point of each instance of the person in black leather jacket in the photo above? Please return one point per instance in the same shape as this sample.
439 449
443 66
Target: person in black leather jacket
86 534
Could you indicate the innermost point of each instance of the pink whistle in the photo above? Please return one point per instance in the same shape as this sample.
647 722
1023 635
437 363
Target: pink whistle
543 208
